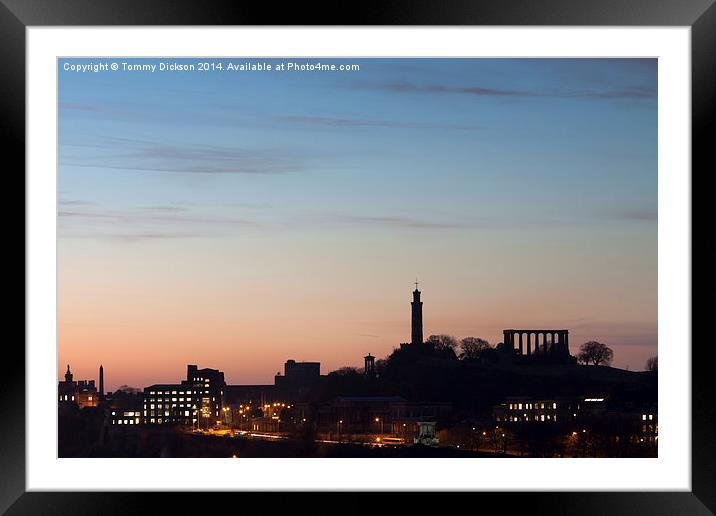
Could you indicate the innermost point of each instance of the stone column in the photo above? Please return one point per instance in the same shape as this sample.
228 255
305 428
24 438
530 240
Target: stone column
522 349
529 343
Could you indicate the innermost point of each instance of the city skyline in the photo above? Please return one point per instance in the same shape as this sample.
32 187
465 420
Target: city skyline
238 220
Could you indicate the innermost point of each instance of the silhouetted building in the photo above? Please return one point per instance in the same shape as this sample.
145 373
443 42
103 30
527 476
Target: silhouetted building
196 401
550 346
298 375
369 368
81 392
257 395
417 318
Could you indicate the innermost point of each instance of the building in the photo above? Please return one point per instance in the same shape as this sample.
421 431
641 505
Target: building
296 379
595 413
369 367
298 375
126 417
522 409
416 323
368 418
416 320
81 393
197 401
550 346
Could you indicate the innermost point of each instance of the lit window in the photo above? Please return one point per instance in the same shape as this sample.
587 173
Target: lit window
519 406
643 417
651 417
554 405
542 417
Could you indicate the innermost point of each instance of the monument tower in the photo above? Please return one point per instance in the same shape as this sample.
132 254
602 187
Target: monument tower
101 381
417 318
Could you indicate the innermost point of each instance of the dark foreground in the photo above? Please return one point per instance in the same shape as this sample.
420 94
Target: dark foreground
159 443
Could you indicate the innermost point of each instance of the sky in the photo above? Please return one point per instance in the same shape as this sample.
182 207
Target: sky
235 219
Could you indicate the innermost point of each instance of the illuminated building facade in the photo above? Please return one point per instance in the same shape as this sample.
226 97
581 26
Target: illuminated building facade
545 410
81 393
125 417
197 401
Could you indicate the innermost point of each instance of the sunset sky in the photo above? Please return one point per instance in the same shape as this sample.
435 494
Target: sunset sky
237 219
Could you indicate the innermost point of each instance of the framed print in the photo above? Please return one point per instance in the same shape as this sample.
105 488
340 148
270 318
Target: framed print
426 249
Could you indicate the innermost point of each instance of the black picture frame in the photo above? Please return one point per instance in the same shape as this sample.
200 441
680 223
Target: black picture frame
699 15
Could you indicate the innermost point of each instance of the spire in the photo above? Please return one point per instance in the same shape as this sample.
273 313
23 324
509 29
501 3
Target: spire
68 374
417 317
101 380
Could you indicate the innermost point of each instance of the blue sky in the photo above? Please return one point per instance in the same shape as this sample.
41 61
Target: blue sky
501 176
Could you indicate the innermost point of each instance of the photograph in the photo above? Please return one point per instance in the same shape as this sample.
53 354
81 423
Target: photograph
367 257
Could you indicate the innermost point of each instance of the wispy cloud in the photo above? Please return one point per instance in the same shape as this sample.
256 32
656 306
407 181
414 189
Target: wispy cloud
164 209
75 106
354 122
75 202
147 223
152 216
394 221
136 236
629 93
132 154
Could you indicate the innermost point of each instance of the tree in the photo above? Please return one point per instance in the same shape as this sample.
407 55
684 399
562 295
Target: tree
443 342
471 348
652 364
380 366
346 371
595 353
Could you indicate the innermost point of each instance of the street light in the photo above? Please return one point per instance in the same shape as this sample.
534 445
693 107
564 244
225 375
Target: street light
378 420
340 422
